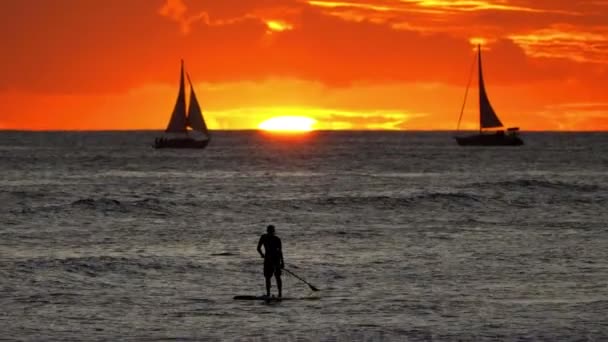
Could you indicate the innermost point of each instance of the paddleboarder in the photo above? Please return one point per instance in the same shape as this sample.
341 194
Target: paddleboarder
273 258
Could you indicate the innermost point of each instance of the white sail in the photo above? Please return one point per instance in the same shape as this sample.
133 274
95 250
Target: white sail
195 118
177 124
487 115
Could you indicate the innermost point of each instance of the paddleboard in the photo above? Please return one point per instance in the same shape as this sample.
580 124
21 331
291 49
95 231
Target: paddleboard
273 299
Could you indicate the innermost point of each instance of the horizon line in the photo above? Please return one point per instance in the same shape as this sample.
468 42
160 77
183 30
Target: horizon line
3 130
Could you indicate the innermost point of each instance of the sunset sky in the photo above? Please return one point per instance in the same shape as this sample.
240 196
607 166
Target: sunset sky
348 64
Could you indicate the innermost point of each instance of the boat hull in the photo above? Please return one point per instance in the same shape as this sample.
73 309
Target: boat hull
180 143
489 140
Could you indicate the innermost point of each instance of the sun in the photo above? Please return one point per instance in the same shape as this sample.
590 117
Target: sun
288 124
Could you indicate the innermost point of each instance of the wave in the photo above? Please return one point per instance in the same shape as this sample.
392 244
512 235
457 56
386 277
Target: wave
426 198
105 205
151 205
96 203
97 265
538 183
110 203
223 254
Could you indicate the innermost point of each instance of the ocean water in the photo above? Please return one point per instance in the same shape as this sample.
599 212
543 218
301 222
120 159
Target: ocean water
408 236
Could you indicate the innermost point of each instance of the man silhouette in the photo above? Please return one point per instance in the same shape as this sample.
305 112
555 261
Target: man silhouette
273 258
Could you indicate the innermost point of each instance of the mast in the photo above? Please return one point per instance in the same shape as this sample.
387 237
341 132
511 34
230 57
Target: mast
177 123
480 83
466 93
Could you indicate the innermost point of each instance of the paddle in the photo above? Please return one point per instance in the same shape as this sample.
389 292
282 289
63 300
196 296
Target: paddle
304 281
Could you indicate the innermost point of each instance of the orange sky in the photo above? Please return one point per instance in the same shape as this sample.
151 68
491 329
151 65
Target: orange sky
349 64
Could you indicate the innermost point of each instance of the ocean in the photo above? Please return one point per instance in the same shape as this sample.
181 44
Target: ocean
408 236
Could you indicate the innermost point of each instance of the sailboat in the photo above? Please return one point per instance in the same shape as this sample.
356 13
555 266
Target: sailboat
490 126
185 129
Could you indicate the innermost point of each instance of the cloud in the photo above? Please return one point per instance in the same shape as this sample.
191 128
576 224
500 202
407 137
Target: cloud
427 6
245 104
439 11
69 46
177 11
582 115
566 41
372 120
478 5
278 26
541 28
326 118
186 17
174 9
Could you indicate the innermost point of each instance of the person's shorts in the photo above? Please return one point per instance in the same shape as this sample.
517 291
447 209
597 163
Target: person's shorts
272 268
